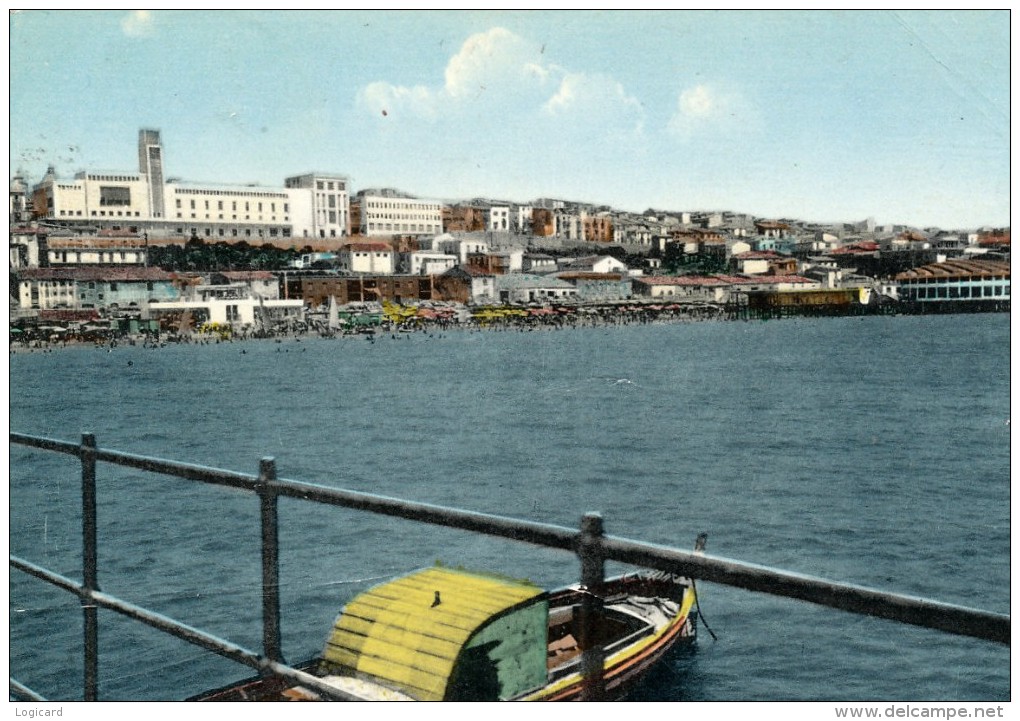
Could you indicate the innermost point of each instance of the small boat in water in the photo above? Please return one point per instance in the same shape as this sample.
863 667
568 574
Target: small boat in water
447 634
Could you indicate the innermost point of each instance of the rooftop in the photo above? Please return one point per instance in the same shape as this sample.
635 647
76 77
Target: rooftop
958 269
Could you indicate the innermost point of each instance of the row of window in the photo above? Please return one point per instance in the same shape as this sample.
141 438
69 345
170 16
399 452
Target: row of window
329 185
936 280
272 219
402 205
115 178
405 227
235 232
108 256
426 217
232 193
233 206
957 292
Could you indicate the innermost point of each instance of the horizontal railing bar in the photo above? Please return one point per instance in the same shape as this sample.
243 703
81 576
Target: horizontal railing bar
182 631
912 610
48 444
189 471
50 577
24 692
540 534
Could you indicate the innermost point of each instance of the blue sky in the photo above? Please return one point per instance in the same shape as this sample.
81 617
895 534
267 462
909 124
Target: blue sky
824 116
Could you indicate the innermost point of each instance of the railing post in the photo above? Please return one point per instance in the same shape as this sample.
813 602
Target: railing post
593 575
90 565
270 561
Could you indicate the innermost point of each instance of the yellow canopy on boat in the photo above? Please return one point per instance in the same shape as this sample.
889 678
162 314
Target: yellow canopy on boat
411 632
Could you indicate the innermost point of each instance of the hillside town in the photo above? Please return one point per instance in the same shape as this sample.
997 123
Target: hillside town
128 252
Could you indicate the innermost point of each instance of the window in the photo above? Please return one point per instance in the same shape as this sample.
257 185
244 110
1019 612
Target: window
114 195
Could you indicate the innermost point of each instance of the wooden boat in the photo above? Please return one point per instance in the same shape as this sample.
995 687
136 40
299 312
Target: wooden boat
448 634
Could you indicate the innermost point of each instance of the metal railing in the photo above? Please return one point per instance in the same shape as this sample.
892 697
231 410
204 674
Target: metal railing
589 543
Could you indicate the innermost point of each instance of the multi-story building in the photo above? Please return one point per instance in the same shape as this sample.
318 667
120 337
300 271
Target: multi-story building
463 218
314 205
597 228
499 218
543 222
330 203
391 213
19 205
98 288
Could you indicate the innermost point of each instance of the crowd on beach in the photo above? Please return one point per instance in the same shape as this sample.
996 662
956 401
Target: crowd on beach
42 339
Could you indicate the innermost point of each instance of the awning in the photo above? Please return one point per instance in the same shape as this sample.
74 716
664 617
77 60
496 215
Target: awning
409 632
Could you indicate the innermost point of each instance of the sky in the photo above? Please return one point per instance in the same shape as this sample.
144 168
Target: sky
824 116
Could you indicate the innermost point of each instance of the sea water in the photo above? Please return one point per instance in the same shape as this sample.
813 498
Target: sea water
868 450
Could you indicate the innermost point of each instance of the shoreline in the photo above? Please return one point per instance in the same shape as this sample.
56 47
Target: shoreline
391 331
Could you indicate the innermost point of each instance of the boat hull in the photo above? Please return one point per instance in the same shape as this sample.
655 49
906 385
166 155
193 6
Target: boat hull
660 608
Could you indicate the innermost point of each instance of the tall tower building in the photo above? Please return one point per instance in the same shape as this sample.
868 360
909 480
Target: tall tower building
150 164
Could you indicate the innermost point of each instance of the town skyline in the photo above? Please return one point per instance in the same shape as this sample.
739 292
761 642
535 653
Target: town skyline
573 123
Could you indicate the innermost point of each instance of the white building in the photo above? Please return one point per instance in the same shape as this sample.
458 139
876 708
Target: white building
460 247
596 264
429 262
214 307
499 218
330 209
523 219
313 205
96 256
366 259
386 215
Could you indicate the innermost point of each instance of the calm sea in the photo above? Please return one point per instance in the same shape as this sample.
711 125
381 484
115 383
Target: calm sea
868 450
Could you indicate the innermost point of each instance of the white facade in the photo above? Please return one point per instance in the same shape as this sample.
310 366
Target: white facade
460 247
96 256
327 205
524 213
430 262
235 312
499 218
382 215
366 258
46 294
95 196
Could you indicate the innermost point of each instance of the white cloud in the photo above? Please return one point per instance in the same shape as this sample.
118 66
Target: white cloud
594 95
497 57
704 108
137 23
499 74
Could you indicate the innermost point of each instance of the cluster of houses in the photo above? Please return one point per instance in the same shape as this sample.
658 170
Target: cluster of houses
83 245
